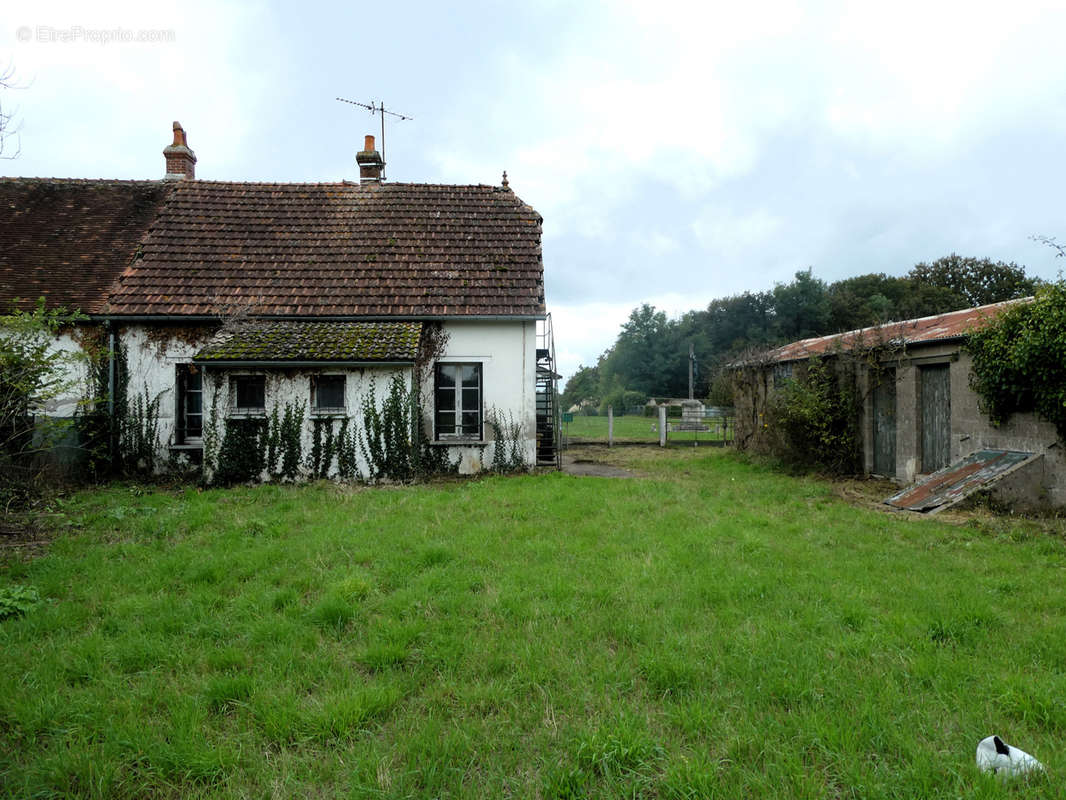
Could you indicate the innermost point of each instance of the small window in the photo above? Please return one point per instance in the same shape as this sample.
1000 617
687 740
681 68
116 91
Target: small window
248 394
458 401
327 393
189 413
782 374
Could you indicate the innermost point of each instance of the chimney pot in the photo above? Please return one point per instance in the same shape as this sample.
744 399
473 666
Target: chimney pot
370 162
180 160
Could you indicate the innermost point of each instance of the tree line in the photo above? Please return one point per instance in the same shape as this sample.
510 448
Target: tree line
650 356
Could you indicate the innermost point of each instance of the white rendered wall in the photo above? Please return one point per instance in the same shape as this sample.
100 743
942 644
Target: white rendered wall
508 357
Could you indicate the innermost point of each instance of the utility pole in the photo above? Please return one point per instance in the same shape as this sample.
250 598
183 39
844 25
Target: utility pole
691 368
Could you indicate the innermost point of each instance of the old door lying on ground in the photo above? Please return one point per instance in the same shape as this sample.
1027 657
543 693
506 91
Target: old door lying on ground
885 424
954 484
936 418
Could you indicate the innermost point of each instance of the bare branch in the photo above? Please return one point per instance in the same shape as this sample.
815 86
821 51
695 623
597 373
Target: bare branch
9 127
1050 242
236 312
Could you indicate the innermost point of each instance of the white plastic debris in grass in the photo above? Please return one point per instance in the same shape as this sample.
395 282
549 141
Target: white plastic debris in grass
996 756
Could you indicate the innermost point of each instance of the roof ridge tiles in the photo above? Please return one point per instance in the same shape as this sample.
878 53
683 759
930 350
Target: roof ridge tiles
83 181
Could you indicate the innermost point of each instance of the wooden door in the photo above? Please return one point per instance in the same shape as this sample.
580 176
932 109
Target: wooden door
885 423
936 418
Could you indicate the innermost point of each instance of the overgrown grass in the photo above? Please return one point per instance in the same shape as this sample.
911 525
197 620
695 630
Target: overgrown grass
715 630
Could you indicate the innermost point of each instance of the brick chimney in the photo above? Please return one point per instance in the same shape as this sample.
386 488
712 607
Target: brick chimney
181 161
370 163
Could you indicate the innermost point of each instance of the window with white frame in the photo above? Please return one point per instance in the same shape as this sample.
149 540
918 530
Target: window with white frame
327 394
458 401
189 412
248 394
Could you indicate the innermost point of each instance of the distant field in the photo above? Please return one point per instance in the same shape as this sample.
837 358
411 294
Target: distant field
632 428
710 629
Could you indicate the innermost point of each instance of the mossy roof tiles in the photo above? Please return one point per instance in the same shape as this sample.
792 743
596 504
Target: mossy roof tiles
280 341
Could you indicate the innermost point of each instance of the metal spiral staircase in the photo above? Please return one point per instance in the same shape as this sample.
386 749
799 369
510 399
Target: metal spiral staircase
549 452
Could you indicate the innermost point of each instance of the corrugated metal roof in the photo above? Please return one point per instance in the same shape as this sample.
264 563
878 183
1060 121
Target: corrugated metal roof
955 483
942 327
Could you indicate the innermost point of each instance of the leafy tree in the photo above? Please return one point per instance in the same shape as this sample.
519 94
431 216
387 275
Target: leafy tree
975 281
651 353
925 300
33 374
734 323
865 300
801 308
637 359
583 385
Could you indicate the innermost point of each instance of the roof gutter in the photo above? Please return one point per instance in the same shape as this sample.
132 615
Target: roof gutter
322 318
216 362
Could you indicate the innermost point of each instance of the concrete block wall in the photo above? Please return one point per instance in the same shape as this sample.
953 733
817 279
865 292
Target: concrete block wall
1042 483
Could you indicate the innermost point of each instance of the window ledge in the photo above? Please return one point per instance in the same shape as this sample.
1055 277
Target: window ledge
328 412
258 414
459 443
188 446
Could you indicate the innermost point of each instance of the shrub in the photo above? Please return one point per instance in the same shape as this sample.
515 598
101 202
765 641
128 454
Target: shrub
815 417
1019 361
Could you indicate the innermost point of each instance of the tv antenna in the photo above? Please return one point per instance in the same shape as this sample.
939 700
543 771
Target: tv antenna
377 108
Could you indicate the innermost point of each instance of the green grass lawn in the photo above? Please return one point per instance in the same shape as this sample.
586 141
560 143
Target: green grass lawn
632 428
712 629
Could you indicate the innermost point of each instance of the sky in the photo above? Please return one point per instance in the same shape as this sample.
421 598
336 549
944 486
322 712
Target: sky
677 151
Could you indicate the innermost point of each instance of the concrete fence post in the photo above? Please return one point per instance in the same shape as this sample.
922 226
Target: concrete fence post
662 426
610 426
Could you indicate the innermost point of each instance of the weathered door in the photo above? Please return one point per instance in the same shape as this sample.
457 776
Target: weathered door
885 424
936 418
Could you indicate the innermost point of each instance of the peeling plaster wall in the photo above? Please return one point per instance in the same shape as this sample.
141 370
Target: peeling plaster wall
293 386
151 366
76 376
506 351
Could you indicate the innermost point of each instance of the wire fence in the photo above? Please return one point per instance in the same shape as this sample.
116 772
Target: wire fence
641 425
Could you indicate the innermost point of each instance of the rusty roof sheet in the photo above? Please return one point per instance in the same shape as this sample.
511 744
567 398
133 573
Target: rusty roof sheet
941 327
955 483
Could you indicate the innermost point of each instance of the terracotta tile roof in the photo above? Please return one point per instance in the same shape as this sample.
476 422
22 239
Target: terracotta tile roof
942 327
68 240
315 341
338 250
